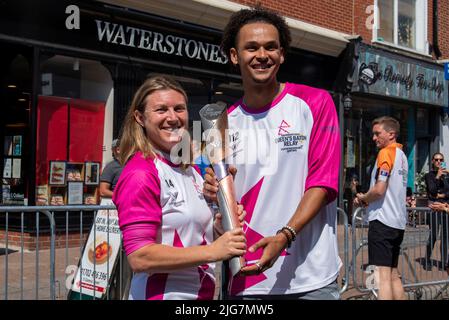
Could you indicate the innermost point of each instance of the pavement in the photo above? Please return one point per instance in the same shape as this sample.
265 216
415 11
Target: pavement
28 275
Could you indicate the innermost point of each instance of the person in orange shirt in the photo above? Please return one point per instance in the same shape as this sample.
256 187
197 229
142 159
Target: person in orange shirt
386 207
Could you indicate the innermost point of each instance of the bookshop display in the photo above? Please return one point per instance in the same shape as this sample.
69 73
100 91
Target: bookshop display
13 186
70 183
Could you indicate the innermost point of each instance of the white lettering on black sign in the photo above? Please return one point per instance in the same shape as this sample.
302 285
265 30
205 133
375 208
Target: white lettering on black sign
158 42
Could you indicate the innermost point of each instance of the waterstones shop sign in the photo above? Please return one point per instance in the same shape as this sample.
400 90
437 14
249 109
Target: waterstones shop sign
387 76
149 40
95 26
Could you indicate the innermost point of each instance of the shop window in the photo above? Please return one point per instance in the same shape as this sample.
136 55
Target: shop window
406 23
424 138
71 120
402 23
422 122
15 92
359 149
386 18
422 157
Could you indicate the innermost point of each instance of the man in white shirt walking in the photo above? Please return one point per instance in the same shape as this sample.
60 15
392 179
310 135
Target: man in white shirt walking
386 207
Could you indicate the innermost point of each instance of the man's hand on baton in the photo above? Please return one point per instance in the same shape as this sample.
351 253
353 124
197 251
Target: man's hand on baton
272 249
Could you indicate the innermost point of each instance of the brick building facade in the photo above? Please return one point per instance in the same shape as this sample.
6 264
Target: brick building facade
443 24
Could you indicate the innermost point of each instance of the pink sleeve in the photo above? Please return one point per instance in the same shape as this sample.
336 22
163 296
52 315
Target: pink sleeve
324 146
137 235
137 198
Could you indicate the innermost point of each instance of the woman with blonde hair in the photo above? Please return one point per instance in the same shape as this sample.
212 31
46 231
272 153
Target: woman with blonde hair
167 226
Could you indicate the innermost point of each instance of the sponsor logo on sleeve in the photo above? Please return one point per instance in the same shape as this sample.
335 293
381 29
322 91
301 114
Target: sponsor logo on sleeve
383 175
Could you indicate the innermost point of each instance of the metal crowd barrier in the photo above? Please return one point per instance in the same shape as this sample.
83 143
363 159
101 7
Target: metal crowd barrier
30 271
342 222
46 269
422 277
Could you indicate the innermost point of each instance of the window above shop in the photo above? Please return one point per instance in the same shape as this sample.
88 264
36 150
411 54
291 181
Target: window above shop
402 23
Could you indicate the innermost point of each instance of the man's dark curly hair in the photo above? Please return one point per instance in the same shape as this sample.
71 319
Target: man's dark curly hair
255 14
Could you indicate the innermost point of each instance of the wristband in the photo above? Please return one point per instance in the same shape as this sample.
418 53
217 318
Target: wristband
286 234
291 230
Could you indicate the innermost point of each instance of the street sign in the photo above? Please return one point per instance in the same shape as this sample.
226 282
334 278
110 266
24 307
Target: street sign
446 71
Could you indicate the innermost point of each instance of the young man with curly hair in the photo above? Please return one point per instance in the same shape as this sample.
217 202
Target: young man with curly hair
291 209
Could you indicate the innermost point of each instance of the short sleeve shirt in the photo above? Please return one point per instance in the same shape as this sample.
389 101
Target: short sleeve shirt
281 151
111 173
392 167
170 199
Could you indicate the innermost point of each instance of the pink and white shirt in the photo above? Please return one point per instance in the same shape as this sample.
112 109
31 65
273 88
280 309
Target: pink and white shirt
281 151
158 202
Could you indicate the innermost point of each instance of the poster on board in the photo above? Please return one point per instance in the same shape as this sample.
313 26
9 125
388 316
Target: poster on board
99 256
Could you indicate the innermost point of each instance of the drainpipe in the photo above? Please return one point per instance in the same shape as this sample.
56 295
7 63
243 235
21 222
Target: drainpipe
435 46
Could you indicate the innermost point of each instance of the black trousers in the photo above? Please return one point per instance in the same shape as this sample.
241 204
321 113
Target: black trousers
436 221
